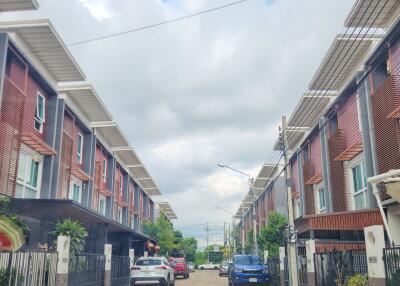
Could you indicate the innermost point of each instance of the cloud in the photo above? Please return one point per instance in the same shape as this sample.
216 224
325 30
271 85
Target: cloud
97 8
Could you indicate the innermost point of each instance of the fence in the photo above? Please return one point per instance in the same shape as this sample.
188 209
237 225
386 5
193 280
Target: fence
302 264
335 268
86 269
120 270
391 257
275 270
28 268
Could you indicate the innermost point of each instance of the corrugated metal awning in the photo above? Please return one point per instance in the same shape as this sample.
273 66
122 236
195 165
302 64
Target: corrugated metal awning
166 208
18 5
111 132
88 101
372 13
265 175
44 42
345 56
141 174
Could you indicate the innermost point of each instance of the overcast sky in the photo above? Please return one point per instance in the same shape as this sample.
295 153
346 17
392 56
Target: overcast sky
197 92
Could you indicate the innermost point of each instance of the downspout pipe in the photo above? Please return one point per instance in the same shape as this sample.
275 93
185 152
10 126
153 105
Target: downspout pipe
374 181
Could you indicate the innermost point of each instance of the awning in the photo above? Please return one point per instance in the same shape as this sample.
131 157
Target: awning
350 152
314 180
141 174
80 174
264 176
344 57
372 13
37 144
87 100
18 5
294 135
112 133
166 208
45 43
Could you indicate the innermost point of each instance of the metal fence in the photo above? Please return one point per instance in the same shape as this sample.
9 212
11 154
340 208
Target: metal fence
286 264
28 268
275 270
391 257
335 268
86 269
302 265
120 270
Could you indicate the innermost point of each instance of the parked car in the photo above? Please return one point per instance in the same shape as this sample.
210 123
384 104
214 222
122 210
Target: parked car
223 268
155 270
248 269
191 266
208 266
180 267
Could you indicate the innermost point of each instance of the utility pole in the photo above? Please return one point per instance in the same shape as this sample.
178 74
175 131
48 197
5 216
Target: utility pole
252 189
233 233
291 242
208 254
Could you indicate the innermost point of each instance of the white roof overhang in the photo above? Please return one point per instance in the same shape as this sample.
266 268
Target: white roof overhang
343 59
111 132
87 100
294 135
48 47
141 174
310 108
264 176
166 208
372 13
18 5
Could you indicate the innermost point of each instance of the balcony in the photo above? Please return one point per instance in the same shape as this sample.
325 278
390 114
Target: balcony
351 220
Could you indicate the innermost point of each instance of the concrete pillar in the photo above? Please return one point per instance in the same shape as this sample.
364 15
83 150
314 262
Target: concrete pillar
63 244
107 268
265 256
131 258
375 243
282 256
310 250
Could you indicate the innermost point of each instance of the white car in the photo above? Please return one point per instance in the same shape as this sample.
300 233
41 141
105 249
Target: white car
152 270
208 266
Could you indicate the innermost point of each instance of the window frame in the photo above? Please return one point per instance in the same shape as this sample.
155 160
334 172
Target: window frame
318 189
104 170
75 182
79 153
38 118
102 198
353 163
30 156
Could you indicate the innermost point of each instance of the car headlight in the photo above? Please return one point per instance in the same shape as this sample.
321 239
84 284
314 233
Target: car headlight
239 270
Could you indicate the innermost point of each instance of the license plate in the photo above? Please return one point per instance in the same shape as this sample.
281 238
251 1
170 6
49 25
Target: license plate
252 279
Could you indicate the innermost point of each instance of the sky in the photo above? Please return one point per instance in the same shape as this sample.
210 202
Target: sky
209 89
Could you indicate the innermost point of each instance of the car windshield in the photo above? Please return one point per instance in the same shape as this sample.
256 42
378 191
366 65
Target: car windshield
248 260
148 262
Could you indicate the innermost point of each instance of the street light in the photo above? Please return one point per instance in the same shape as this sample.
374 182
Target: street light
233 226
252 190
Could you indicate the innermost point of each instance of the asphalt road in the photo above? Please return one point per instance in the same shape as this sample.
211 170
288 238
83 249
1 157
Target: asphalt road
203 278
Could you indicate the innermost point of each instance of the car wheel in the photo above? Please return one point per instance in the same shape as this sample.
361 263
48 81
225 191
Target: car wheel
215 268
201 268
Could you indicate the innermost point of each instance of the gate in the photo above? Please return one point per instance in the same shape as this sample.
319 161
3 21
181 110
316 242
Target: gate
391 257
28 268
275 271
86 269
302 264
335 268
120 270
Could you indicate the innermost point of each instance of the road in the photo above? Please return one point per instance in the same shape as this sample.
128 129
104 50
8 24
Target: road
203 278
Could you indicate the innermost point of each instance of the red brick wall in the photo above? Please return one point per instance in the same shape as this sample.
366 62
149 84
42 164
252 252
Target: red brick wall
347 116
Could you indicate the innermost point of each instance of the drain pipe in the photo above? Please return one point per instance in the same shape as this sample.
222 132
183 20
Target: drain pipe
374 181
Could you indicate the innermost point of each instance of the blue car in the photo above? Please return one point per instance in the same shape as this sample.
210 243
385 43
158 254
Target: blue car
248 270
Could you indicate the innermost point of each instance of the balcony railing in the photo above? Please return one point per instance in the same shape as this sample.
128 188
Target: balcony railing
351 220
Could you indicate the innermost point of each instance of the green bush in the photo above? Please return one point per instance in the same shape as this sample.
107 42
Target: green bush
76 232
358 280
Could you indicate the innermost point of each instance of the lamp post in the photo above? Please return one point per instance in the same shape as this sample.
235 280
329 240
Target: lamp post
252 191
233 226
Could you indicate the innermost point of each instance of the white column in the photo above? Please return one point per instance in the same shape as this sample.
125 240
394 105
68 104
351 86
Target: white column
265 256
131 258
107 268
375 243
310 251
63 246
282 256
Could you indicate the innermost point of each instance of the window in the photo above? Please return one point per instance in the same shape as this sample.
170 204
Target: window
29 174
297 208
359 186
79 146
321 195
104 170
119 218
121 184
102 205
75 192
320 205
40 112
132 222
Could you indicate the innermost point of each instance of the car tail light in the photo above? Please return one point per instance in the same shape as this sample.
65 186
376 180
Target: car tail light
135 268
162 267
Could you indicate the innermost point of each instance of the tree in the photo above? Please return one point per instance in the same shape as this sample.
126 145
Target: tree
236 237
76 232
271 236
249 245
189 247
161 231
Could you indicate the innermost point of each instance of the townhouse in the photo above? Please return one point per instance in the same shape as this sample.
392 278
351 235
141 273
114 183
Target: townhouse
344 130
62 155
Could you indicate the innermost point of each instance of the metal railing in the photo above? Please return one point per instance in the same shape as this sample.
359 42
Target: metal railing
120 270
302 270
274 270
86 269
335 268
391 257
28 268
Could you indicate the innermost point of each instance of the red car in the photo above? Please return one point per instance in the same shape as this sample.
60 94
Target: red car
180 267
